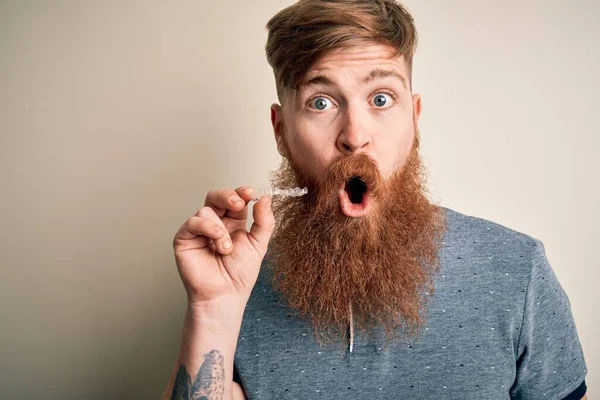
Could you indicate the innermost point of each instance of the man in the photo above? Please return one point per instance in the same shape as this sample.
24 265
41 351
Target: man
368 290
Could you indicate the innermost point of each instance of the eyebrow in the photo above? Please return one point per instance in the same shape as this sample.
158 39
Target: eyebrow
377 73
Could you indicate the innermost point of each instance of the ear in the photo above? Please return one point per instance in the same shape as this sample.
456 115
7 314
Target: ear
416 98
277 122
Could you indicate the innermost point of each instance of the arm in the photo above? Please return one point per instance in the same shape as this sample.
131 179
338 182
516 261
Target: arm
238 392
547 319
218 261
205 363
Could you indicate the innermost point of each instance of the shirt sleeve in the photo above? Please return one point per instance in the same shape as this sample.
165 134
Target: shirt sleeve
550 362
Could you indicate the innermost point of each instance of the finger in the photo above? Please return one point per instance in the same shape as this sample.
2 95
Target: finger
245 193
209 225
197 232
222 200
264 222
185 239
201 226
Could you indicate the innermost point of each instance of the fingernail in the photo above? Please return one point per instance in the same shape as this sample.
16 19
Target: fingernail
236 199
227 245
248 190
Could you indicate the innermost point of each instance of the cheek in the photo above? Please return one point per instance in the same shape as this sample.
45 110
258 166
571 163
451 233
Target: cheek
395 147
311 152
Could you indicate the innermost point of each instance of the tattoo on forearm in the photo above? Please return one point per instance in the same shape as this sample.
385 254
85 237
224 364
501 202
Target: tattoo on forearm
209 384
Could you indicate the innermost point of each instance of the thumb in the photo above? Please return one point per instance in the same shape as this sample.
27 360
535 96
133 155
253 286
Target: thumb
264 221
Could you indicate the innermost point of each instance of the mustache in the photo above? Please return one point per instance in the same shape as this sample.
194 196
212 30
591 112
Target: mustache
356 168
352 167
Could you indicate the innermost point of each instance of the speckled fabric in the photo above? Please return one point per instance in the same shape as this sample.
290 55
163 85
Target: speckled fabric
499 327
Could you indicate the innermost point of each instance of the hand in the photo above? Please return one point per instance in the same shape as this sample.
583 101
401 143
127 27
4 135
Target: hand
218 260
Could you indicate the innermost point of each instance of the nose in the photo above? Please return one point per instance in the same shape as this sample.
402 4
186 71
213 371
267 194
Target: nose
355 135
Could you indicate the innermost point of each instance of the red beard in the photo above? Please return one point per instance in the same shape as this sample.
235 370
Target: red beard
380 265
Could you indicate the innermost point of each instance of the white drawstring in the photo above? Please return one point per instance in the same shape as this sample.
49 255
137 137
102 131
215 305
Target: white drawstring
351 330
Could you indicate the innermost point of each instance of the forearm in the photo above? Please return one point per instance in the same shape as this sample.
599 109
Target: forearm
205 362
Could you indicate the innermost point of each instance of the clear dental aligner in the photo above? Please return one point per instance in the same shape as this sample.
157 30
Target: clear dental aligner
288 192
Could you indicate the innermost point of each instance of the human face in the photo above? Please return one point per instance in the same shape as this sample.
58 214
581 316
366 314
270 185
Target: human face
354 100
336 263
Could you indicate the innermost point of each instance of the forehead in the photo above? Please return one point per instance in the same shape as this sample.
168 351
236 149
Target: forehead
364 62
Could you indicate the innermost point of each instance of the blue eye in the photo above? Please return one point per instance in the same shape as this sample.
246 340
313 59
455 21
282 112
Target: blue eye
381 100
321 103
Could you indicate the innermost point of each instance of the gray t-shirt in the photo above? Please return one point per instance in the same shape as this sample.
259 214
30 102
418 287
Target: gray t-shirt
499 327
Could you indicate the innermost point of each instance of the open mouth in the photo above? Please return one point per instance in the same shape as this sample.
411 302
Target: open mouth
356 189
354 197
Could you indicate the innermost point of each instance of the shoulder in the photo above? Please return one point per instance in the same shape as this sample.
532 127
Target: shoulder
463 227
483 237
